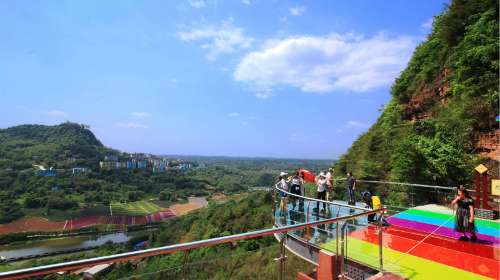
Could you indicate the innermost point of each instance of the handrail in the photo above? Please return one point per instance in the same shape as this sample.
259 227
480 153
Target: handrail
401 184
73 265
319 200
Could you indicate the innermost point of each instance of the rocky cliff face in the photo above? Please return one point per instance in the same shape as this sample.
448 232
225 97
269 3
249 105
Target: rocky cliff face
441 120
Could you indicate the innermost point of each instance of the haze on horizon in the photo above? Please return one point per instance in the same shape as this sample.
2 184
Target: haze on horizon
249 78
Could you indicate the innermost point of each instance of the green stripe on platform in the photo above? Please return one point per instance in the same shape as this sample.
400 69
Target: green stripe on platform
404 265
426 213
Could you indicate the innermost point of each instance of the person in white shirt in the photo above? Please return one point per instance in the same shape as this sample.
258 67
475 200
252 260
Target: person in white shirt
282 185
322 184
329 178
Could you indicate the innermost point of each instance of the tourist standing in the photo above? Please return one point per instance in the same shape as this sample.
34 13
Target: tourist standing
322 184
330 184
283 186
464 221
296 187
351 187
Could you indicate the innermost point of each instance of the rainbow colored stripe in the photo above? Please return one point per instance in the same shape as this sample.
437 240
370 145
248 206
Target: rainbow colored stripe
409 250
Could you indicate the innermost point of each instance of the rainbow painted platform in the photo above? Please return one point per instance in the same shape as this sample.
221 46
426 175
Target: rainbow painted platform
411 251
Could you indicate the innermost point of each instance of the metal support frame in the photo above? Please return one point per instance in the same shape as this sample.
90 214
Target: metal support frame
282 258
140 254
380 243
184 264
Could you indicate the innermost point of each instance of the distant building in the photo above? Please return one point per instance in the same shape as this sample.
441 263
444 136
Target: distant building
159 168
93 272
141 164
110 158
131 164
47 173
79 170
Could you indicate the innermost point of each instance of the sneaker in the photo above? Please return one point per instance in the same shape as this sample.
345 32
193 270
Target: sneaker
463 238
473 238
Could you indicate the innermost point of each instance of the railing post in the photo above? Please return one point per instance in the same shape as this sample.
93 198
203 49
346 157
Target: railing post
282 258
380 242
337 237
184 264
342 256
274 203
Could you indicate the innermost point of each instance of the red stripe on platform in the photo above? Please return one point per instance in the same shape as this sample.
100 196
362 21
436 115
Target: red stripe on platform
465 261
444 231
490 252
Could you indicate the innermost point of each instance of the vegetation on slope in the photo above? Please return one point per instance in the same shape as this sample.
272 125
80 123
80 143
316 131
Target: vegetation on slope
229 261
448 92
51 146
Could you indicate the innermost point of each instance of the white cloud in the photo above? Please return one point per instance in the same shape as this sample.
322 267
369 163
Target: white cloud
246 2
197 3
297 10
336 62
427 25
140 115
233 115
218 39
356 124
264 94
56 114
131 125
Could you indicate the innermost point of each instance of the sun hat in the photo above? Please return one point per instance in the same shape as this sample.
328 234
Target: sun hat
283 173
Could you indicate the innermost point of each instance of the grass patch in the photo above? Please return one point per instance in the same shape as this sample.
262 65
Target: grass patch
138 208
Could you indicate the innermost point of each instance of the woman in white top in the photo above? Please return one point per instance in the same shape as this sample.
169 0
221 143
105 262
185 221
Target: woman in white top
322 184
282 185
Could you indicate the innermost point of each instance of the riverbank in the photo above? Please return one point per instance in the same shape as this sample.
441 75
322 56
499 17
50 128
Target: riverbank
65 245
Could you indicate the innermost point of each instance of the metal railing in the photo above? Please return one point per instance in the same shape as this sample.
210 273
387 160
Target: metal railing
342 238
135 255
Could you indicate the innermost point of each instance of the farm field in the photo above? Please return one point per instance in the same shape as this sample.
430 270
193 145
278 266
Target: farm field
194 203
138 208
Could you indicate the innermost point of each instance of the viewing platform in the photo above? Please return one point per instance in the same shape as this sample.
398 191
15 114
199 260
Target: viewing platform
416 243
412 240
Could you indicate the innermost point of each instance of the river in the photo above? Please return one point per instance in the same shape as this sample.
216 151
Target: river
51 246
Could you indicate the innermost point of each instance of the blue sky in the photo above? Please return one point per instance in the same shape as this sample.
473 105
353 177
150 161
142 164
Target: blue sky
268 78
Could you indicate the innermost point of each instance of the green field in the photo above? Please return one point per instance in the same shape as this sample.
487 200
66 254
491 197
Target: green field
138 208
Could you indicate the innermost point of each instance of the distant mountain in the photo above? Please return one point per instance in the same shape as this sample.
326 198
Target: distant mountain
63 145
440 122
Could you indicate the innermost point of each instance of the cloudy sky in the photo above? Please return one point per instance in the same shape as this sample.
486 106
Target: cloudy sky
296 79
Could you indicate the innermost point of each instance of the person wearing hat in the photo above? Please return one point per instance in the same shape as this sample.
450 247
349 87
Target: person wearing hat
322 185
282 185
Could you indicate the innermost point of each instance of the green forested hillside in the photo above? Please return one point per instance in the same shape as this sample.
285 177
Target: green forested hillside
446 96
53 146
249 259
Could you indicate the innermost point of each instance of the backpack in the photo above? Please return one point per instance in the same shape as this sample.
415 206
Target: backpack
376 202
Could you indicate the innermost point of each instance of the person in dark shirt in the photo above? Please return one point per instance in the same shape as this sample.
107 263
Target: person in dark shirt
351 186
296 187
464 220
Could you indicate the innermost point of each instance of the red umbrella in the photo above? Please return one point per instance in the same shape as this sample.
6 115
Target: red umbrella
308 175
